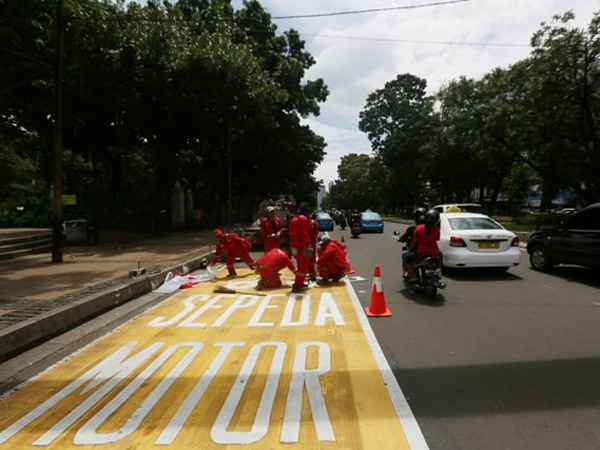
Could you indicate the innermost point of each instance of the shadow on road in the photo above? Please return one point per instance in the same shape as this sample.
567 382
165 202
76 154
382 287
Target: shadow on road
577 274
421 299
473 390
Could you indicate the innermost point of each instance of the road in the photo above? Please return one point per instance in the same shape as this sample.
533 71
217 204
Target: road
500 360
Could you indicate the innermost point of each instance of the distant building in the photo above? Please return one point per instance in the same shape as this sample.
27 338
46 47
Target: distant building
320 196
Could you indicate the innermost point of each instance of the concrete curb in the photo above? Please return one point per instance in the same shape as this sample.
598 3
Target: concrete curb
24 335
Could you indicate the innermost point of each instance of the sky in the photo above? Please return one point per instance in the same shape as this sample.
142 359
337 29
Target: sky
357 54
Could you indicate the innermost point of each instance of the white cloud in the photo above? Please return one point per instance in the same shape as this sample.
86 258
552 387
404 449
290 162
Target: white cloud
354 68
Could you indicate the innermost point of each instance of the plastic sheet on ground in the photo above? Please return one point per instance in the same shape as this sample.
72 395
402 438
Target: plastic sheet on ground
174 282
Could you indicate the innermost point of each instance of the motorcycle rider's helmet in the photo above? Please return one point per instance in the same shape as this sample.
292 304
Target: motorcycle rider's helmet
420 215
432 217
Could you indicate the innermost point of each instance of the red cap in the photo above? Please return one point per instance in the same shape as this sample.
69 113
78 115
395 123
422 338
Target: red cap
217 232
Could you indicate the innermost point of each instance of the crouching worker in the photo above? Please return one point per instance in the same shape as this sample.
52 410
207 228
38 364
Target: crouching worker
332 260
236 247
268 267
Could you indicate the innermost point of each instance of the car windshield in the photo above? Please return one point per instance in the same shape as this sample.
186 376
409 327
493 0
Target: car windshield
370 216
473 223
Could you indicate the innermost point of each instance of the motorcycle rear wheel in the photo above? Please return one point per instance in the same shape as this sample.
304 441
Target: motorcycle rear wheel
430 290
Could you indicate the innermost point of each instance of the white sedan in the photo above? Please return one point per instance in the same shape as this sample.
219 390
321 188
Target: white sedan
476 240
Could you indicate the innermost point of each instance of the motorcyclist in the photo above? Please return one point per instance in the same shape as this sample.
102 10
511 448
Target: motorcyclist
424 241
406 238
355 218
342 220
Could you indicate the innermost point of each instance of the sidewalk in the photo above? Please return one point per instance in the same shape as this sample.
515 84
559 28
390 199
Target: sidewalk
39 299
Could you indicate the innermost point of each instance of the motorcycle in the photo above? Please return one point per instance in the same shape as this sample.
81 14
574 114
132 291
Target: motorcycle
429 274
342 223
355 230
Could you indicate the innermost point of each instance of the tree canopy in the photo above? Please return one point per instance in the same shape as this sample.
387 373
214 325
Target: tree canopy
532 125
158 93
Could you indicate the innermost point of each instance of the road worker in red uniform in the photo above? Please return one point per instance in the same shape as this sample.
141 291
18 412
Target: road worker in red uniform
314 236
268 267
271 229
300 239
236 247
332 259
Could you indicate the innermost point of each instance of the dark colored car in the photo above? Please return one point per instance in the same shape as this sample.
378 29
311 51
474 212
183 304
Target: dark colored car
575 241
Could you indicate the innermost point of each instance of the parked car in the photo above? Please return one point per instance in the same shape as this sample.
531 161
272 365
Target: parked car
476 240
464 207
576 240
324 221
371 221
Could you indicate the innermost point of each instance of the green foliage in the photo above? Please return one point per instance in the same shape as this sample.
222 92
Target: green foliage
359 185
398 122
538 119
164 92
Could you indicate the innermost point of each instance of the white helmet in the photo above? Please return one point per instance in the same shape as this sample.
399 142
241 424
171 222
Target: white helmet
323 238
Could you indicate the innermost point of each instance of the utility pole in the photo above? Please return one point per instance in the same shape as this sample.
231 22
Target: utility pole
57 142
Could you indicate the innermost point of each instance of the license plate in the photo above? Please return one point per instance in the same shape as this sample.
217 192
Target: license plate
433 271
489 245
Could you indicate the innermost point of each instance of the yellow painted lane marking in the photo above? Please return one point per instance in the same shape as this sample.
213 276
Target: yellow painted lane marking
212 371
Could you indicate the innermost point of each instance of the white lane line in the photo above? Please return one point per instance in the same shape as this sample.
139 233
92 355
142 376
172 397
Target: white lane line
413 433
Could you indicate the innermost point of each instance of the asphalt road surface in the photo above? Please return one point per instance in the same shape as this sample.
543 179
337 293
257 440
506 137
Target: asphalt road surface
498 360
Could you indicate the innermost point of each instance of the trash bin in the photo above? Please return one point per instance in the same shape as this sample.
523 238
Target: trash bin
75 230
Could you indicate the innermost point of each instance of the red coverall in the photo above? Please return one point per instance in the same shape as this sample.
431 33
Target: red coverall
300 238
269 264
236 247
332 260
270 226
314 229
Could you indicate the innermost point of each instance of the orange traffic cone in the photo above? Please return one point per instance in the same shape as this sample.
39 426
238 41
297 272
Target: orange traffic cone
349 270
377 307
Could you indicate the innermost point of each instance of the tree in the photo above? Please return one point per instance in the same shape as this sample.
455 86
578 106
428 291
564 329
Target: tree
361 183
398 122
